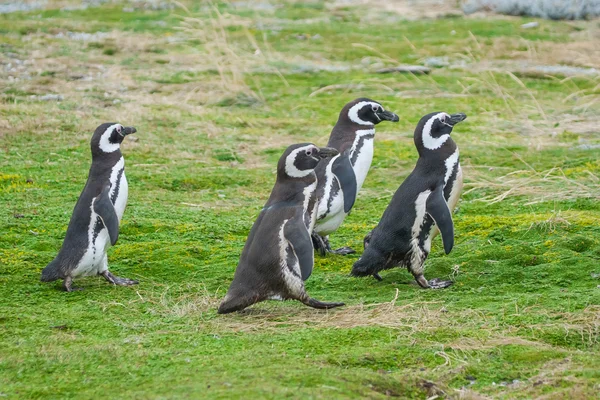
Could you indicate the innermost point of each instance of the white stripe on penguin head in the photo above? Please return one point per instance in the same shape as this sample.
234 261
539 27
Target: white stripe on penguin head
429 141
290 168
105 145
353 112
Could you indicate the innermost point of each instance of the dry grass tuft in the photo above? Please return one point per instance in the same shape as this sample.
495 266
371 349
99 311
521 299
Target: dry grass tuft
231 58
550 185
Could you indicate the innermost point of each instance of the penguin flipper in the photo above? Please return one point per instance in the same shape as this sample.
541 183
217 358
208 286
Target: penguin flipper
296 234
342 168
437 208
106 210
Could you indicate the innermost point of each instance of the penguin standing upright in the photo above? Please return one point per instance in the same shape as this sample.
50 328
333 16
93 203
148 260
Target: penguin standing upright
278 256
421 206
94 225
341 177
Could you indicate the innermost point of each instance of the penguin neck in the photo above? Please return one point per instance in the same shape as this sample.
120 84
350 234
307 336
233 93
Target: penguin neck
442 149
104 162
292 191
345 133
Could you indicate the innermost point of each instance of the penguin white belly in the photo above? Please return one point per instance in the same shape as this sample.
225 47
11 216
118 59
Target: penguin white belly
121 200
293 280
416 254
363 163
455 193
94 260
334 218
119 184
456 190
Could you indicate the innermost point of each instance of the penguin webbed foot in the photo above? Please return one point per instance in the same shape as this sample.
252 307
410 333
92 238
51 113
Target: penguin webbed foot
314 303
434 283
320 245
115 280
343 251
68 285
377 277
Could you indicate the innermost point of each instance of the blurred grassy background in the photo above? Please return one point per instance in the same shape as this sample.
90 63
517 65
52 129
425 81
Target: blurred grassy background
217 90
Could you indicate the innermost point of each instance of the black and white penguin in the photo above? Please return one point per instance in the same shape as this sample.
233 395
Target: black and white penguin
278 256
94 225
341 177
421 206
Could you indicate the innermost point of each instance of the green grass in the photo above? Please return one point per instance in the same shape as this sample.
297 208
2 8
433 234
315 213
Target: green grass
521 321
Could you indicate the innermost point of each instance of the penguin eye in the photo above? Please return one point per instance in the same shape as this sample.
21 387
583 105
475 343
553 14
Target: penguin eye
375 108
309 152
119 128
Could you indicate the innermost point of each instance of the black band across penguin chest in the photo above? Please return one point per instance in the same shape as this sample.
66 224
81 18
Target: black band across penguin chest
360 144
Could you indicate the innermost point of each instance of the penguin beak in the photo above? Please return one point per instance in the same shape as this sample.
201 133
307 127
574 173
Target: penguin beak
456 118
325 152
127 130
388 116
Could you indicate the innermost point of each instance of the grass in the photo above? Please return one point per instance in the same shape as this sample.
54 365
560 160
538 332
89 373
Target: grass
216 92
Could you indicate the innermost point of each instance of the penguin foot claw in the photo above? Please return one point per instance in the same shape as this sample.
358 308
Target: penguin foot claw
115 280
344 251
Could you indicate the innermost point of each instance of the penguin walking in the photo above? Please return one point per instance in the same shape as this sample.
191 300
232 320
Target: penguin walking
278 256
421 206
94 225
341 177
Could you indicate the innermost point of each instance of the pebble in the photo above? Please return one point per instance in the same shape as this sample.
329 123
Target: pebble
530 25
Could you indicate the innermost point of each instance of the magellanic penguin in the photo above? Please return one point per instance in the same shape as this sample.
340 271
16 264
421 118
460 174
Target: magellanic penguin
278 256
421 205
341 177
94 225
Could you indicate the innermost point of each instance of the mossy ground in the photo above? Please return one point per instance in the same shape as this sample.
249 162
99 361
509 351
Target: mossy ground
521 321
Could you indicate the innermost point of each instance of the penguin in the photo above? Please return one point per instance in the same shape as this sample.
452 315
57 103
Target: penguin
94 224
278 255
341 177
421 206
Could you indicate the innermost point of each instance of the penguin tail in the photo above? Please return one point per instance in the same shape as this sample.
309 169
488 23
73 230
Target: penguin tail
51 272
314 303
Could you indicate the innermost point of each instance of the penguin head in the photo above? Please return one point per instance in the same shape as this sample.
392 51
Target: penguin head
300 160
366 112
107 137
433 130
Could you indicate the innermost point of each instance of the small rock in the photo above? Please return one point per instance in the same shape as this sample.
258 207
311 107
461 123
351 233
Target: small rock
29 180
530 25
453 32
316 37
16 215
595 276
470 378
116 101
301 37
51 97
410 69
128 9
437 62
